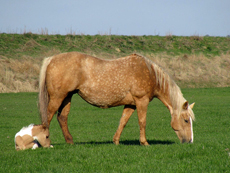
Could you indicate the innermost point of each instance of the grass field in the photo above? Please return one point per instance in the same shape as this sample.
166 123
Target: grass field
93 130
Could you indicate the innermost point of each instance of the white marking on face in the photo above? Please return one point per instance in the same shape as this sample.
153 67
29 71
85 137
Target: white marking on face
191 130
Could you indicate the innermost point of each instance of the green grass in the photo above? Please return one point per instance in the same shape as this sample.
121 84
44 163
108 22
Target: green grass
28 44
93 129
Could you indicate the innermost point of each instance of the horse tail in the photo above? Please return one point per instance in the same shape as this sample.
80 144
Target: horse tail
43 97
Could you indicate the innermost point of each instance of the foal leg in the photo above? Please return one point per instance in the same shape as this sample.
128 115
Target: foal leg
19 143
142 105
62 117
127 112
24 142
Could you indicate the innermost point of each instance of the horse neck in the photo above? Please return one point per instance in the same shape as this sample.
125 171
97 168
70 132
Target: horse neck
171 96
165 99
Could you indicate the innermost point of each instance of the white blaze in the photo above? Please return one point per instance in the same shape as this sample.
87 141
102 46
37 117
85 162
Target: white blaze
191 130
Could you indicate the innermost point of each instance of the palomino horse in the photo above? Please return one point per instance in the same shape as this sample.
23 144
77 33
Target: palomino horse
32 136
132 81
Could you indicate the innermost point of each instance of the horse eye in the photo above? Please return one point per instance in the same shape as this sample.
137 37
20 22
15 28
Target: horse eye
186 121
47 137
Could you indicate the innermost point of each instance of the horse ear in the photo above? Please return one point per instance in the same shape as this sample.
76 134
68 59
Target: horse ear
185 105
191 106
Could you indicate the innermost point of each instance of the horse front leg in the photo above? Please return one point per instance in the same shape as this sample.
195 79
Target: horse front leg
127 112
63 117
142 105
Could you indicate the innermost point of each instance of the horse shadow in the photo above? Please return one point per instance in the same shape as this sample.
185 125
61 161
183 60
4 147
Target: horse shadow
127 142
151 142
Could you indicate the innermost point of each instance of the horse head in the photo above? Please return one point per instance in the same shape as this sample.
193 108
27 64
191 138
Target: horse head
41 134
182 123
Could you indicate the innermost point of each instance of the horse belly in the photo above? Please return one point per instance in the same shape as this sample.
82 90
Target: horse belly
105 98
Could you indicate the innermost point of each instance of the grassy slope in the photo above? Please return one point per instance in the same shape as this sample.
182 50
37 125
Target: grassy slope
16 45
93 129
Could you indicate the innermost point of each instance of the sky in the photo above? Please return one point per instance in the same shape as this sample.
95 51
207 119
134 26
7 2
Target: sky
116 17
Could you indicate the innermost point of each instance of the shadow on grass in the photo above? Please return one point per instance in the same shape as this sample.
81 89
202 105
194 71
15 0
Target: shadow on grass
128 142
151 142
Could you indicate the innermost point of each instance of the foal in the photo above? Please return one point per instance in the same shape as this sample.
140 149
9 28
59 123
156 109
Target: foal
33 136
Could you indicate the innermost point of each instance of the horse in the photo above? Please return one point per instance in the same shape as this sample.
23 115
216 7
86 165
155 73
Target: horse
33 136
132 81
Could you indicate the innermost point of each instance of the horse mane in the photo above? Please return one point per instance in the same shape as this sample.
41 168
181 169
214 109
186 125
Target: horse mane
166 82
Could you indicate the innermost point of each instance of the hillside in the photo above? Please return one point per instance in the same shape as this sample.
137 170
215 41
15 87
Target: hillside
192 61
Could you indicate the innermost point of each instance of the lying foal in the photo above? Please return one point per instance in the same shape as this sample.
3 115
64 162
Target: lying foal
33 136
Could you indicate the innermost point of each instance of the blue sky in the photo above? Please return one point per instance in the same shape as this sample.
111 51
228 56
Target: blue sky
119 17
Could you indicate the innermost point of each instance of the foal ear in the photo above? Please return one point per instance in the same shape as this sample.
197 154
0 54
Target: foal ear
44 126
191 106
185 105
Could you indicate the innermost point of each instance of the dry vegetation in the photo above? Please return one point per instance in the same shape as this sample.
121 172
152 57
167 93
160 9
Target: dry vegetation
191 71
21 75
18 75
187 69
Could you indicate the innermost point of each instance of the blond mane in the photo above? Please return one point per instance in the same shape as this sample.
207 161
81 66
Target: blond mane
165 81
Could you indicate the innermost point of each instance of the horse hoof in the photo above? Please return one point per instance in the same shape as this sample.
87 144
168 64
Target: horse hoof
116 142
145 143
69 141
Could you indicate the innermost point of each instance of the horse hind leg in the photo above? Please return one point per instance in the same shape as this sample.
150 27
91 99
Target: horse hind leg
127 112
62 117
53 107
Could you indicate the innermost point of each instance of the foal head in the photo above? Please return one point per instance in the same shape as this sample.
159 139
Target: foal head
182 124
41 134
